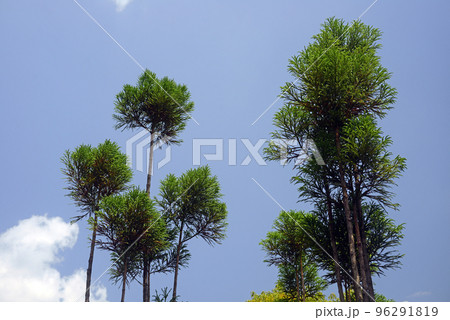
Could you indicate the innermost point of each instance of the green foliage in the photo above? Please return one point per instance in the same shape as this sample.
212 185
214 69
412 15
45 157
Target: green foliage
130 218
288 242
340 87
158 105
383 237
129 226
193 208
192 203
287 247
164 296
94 173
365 150
314 284
278 295
117 269
162 107
340 75
293 124
380 298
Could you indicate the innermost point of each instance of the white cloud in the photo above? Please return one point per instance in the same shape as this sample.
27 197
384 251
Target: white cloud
121 4
76 283
28 252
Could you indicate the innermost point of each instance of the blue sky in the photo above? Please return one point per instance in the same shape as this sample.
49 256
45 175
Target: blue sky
61 72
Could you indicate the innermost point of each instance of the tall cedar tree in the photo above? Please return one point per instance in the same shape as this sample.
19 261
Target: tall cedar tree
192 204
286 248
160 106
92 174
339 76
289 144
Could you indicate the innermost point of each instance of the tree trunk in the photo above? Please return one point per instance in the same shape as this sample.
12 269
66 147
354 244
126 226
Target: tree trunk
150 163
365 273
148 281
370 288
146 271
124 279
302 276
90 261
337 272
349 222
175 278
347 295
362 268
297 285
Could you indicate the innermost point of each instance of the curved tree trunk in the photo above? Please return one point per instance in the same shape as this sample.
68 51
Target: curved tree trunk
90 261
349 222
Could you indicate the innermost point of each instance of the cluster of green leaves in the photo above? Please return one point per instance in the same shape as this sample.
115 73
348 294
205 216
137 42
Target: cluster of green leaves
192 203
94 173
193 208
157 105
383 237
365 149
130 226
339 75
288 247
279 295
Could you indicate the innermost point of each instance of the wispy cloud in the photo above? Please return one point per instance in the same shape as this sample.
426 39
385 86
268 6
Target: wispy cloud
121 4
28 253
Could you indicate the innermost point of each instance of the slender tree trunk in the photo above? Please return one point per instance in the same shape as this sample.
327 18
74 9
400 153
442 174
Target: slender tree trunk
90 261
146 271
370 288
337 272
362 254
145 279
150 163
362 268
175 278
124 279
297 285
349 222
347 292
302 276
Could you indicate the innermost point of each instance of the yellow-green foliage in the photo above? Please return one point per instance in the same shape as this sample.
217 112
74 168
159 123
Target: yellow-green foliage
277 295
